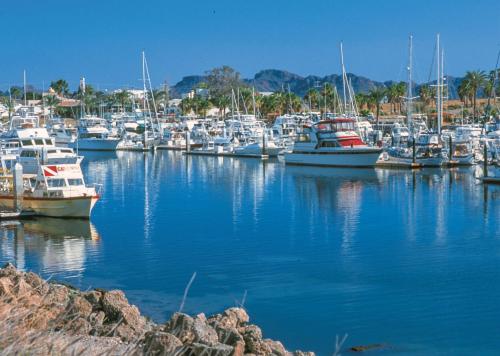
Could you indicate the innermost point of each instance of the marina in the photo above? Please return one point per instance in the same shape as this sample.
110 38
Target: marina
250 178
301 242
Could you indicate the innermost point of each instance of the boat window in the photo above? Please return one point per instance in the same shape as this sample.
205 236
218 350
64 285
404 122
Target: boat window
49 142
52 151
38 142
329 144
303 137
55 182
75 181
27 143
28 154
67 151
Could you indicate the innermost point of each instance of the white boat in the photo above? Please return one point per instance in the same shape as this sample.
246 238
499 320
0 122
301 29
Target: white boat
94 135
332 143
56 191
31 157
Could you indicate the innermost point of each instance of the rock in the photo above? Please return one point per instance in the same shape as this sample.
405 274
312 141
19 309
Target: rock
229 336
94 297
97 319
8 270
254 344
6 287
197 349
79 306
190 330
233 318
239 349
39 285
130 323
276 347
78 326
57 295
161 343
113 303
362 348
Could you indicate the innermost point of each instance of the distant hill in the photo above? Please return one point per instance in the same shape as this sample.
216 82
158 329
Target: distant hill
273 80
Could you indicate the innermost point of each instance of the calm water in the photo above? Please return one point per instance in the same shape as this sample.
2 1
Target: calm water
407 259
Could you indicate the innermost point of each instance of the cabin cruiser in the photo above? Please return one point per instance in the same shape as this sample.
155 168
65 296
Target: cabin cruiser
31 157
94 135
56 191
332 143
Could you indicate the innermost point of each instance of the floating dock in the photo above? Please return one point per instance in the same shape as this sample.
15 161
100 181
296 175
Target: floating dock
491 180
398 165
13 214
225 154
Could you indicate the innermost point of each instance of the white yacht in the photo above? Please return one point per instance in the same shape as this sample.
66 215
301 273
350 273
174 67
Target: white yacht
94 135
332 143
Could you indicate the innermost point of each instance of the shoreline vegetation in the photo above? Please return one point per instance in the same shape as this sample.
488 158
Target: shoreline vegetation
41 317
475 95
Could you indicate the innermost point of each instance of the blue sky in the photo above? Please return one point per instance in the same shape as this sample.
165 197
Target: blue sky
102 40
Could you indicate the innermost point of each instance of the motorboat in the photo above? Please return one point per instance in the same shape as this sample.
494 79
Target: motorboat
333 143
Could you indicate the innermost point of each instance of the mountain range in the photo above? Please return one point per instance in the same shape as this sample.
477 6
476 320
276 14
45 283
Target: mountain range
273 80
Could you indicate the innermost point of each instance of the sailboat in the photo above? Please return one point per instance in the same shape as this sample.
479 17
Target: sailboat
150 138
424 148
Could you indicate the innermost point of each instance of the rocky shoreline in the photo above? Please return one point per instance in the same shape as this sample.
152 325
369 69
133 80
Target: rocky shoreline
48 318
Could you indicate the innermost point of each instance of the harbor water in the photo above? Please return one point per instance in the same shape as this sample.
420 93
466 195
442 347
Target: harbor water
408 259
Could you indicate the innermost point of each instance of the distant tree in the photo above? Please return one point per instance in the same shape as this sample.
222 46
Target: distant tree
16 92
475 80
312 98
60 86
221 80
51 101
376 96
427 95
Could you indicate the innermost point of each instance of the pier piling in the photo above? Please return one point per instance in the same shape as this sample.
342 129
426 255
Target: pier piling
18 186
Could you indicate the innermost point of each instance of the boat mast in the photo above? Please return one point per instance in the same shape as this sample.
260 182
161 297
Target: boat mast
438 86
344 76
24 87
409 120
442 92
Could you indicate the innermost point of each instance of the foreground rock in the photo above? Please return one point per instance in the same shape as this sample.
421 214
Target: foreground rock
41 318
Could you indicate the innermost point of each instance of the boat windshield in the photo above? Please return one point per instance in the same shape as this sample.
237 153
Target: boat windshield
55 182
334 126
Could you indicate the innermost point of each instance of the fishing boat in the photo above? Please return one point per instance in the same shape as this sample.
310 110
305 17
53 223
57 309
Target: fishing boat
332 143
55 191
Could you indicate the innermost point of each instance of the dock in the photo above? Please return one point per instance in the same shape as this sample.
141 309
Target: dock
13 214
226 154
491 180
398 165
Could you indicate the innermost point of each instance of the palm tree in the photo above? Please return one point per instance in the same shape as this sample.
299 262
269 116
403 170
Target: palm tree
51 101
475 80
122 98
312 98
15 92
60 86
376 96
427 95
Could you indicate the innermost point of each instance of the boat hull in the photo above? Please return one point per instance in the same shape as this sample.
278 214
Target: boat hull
95 144
78 207
345 158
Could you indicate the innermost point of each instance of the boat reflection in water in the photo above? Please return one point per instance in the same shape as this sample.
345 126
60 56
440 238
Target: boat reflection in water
334 197
49 245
